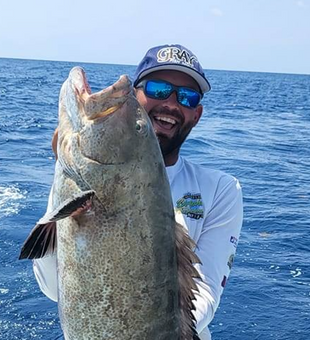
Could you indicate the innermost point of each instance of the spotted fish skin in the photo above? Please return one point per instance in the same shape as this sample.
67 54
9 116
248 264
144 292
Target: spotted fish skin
117 260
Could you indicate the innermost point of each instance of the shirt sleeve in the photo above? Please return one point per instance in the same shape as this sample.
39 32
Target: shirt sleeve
45 272
216 248
45 269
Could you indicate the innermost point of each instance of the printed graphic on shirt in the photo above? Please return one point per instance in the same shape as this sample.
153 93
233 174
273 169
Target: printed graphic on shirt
190 205
234 241
224 281
230 261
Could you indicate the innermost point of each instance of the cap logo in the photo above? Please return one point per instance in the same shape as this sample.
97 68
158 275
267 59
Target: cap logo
176 55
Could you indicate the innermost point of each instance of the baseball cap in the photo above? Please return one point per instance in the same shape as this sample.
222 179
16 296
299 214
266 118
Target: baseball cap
172 57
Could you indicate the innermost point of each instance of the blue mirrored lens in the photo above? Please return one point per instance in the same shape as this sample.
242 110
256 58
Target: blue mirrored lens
188 98
158 90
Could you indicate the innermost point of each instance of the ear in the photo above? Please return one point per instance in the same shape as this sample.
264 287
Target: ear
137 93
198 113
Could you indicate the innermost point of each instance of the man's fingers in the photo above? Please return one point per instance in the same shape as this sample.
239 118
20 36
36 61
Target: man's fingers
54 142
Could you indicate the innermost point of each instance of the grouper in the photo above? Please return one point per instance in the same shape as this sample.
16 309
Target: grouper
125 267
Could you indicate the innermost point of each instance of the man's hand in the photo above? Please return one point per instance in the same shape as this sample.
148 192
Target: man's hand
54 142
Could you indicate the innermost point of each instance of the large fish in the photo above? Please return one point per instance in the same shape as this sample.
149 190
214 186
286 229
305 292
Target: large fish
125 267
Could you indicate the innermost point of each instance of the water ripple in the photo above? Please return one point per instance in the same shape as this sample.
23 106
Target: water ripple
11 200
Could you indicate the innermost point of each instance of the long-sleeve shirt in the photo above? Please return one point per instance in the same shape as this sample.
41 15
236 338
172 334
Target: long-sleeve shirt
209 204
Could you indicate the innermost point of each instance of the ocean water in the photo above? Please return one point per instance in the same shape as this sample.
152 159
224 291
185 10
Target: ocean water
256 126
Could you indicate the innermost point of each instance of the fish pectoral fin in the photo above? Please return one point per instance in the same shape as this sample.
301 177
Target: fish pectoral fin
69 207
40 242
42 239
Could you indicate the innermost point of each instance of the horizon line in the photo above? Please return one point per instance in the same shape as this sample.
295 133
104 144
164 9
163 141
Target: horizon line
107 63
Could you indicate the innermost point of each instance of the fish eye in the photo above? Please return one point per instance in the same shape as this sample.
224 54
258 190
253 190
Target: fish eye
141 127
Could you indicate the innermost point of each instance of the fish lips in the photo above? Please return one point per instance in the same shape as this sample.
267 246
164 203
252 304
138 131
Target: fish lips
107 101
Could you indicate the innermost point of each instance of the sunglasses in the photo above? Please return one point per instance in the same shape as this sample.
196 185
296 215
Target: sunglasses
160 89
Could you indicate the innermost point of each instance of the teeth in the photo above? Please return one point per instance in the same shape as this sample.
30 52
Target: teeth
166 119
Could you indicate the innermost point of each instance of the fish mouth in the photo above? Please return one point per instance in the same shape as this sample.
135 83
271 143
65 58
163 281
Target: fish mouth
99 105
91 109
104 114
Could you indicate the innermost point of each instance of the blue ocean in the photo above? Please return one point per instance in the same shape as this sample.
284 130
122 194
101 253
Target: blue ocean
256 126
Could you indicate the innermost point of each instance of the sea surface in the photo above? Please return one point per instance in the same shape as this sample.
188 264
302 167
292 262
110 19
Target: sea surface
256 126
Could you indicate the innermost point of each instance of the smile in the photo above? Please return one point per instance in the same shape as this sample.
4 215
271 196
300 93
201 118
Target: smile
166 119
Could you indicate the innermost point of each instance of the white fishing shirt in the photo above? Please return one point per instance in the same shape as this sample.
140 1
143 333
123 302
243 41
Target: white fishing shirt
209 204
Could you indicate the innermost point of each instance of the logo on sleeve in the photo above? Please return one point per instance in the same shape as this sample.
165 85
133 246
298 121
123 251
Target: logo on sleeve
234 241
230 261
190 205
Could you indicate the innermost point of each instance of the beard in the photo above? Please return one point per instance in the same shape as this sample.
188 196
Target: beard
171 143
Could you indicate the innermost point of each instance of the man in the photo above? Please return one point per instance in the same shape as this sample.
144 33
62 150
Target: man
170 84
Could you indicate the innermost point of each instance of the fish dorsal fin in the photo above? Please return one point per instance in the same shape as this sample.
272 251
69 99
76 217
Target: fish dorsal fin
186 259
42 239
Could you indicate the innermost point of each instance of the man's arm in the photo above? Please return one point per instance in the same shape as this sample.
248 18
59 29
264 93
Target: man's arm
45 269
216 248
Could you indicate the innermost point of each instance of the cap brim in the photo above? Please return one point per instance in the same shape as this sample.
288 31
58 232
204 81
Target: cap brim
201 81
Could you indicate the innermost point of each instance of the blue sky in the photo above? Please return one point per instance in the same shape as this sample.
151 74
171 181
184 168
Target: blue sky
248 35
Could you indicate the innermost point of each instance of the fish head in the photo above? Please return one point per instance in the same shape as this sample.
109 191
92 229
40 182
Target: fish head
109 128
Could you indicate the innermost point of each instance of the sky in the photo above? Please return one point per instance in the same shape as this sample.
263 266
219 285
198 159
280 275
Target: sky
241 35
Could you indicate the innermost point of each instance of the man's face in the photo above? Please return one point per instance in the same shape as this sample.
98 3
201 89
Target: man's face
171 121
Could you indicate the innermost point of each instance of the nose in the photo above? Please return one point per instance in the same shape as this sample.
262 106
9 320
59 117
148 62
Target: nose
172 100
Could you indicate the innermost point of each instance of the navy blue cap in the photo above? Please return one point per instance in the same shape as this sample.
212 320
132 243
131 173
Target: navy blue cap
172 57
